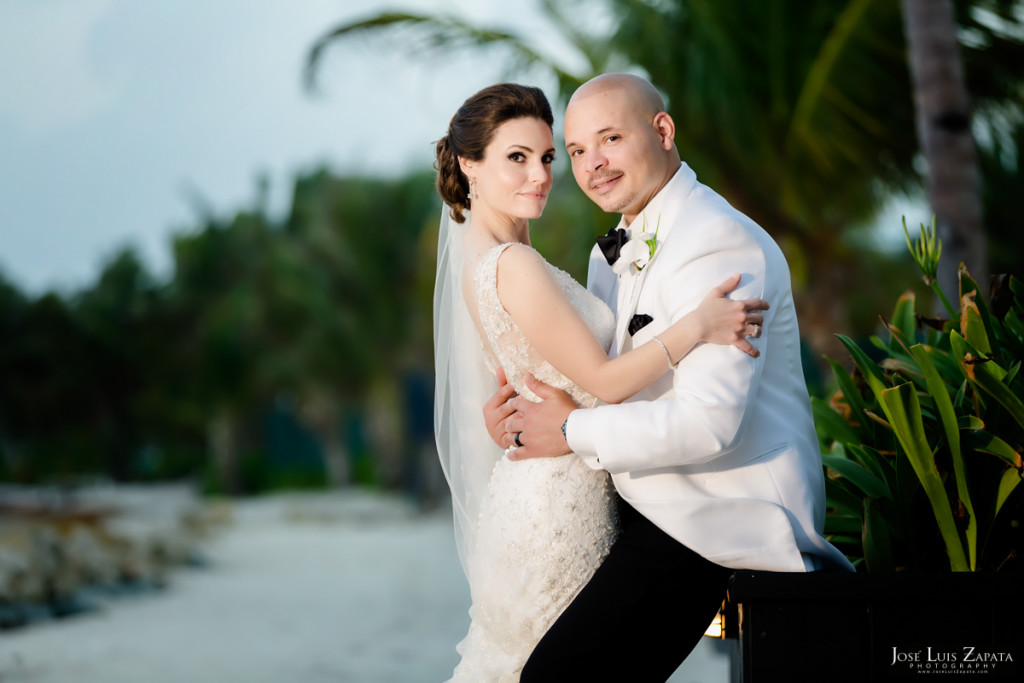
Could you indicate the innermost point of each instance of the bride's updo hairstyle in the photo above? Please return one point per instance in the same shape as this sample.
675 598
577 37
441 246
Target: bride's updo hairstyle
472 129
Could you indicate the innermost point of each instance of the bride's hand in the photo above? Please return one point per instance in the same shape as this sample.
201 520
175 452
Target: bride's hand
497 411
724 321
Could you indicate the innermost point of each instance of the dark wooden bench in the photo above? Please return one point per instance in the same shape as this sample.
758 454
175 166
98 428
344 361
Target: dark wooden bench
860 628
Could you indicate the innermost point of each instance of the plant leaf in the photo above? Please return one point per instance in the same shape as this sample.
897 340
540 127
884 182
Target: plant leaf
839 497
829 424
873 461
986 442
961 348
973 304
989 376
866 481
1007 483
876 540
903 318
850 392
970 423
972 326
871 373
843 524
903 409
940 394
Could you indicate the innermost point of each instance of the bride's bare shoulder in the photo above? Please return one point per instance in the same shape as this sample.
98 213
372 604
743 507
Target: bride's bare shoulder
520 260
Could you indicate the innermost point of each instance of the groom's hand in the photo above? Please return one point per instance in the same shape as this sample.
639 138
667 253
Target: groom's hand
539 425
497 410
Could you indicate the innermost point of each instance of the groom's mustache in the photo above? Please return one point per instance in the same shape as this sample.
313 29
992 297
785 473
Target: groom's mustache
604 177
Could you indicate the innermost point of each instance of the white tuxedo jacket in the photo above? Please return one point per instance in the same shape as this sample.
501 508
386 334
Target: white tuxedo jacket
721 453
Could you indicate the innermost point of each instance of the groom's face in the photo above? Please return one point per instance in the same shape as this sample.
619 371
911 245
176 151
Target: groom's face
615 151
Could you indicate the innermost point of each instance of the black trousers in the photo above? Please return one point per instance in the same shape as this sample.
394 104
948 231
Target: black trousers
638 618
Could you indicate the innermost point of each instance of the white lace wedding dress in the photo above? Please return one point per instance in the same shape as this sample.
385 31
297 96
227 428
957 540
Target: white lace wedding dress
547 523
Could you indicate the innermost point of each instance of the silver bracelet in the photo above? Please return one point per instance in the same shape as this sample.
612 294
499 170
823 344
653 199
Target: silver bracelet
668 358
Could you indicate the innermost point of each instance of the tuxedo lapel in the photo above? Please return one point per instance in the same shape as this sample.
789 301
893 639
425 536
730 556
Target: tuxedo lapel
661 213
630 286
621 317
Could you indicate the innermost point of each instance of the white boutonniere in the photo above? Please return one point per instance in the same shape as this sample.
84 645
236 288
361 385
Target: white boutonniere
638 251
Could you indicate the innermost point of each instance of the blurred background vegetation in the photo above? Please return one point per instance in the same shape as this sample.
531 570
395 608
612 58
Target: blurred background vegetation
297 352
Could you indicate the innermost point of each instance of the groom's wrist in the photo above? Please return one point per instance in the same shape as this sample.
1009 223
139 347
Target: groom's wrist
579 440
565 429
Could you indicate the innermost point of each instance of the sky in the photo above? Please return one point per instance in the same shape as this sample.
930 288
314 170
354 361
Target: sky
121 121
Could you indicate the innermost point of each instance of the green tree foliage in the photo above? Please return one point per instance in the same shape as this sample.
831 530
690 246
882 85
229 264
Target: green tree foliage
135 378
120 319
44 365
801 114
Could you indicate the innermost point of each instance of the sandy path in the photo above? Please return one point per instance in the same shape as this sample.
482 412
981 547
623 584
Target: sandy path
301 589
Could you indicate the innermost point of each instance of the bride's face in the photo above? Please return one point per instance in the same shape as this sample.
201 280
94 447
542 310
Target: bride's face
514 177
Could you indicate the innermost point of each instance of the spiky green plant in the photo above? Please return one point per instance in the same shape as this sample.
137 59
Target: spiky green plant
923 448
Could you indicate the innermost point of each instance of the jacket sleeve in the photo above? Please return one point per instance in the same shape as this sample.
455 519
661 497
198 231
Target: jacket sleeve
714 385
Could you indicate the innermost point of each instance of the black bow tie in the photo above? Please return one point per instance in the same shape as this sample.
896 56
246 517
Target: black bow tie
611 244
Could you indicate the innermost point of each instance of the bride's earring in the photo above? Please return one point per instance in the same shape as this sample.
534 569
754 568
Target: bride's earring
472 188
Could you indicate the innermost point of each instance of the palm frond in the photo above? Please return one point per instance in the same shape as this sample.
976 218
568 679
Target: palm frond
820 75
422 35
597 51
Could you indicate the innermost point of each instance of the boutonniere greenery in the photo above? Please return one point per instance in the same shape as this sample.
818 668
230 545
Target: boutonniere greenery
638 251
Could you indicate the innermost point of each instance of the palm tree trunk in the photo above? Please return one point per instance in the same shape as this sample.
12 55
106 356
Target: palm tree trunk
944 133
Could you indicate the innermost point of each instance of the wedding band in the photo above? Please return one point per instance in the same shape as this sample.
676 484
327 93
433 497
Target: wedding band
515 439
757 330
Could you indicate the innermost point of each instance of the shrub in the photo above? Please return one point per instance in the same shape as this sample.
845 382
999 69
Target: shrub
922 448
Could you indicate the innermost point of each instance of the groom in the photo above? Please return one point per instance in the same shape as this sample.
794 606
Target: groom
717 463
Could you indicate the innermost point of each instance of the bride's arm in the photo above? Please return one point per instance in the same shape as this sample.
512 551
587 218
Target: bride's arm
530 294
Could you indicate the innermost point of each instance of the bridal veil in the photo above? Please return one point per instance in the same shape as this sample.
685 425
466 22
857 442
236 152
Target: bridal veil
463 383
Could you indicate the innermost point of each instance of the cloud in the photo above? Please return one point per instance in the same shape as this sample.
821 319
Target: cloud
108 108
48 81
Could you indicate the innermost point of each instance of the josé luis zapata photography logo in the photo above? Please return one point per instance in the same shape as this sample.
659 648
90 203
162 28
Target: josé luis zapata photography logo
964 660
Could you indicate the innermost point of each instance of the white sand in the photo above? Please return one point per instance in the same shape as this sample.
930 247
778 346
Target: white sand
301 589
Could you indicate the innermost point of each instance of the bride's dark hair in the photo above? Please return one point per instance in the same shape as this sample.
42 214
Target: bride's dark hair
471 130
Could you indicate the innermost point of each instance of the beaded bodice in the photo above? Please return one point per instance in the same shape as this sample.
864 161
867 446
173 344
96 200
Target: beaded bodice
510 348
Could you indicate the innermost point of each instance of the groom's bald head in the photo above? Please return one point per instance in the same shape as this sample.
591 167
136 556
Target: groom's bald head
620 141
644 98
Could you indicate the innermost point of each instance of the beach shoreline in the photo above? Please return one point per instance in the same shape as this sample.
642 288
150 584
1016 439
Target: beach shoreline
303 588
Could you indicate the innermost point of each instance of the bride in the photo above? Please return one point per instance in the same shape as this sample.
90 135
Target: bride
530 533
